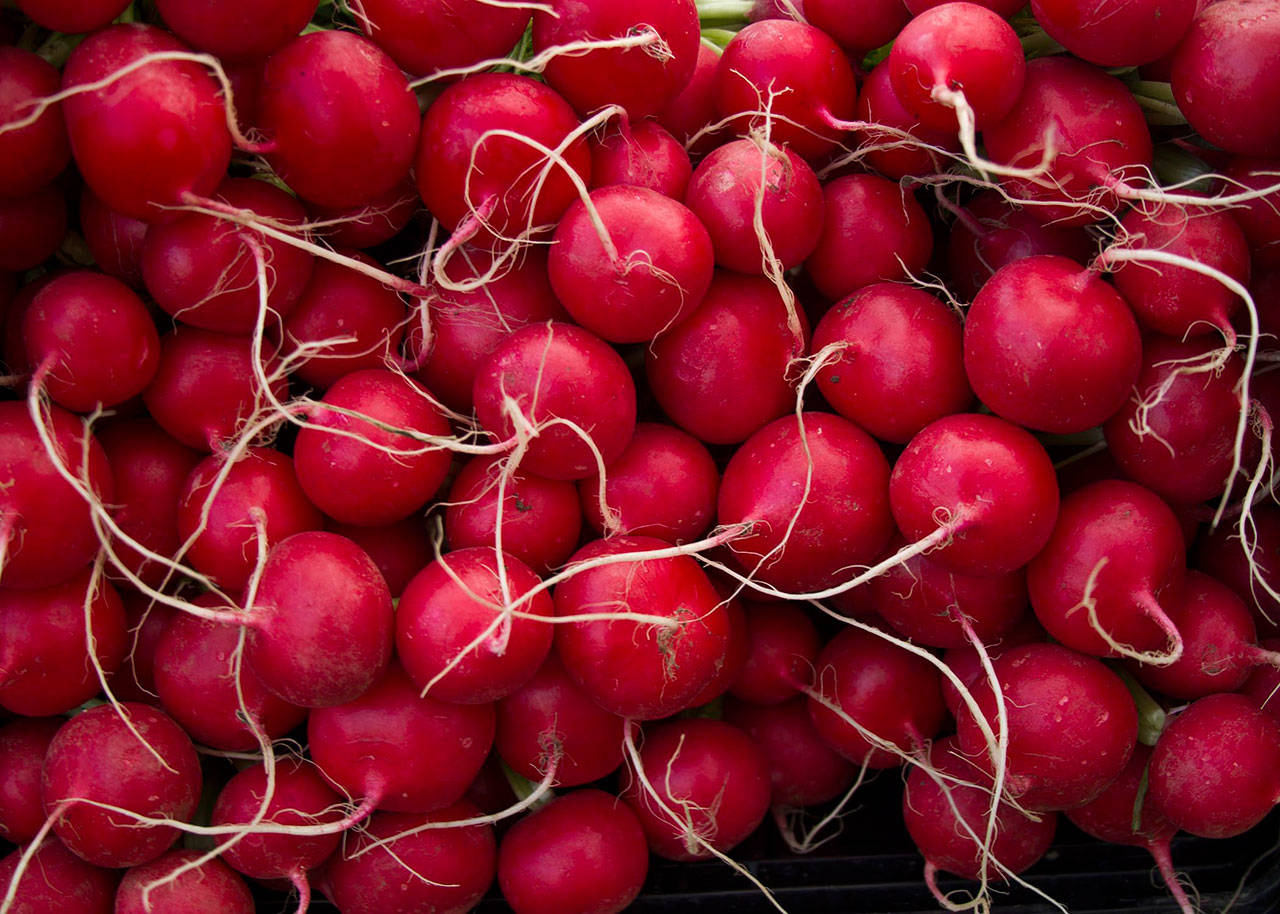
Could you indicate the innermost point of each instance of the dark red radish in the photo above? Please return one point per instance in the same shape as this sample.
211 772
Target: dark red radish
360 473
368 224
45 666
664 484
237 29
1072 726
899 361
1263 684
211 888
869 694
988 482
57 880
643 154
550 722
1176 432
114 129
541 518
694 108
205 389
423 36
467 323
888 152
400 550
629 263
1097 585
723 373
331 99
1215 770
544 376
642 77
431 867
456 632
202 269
146 621
803 770
201 684
782 643
485 186
695 785
1111 33
584 851
14 351
147 766
791 77
858 26
46 533
1088 127
37 153
990 233
32 228
967 665
640 669
957 63
321 622
1226 69
73 16
491 791
23 745
742 177
114 239
1049 345
399 751
874 231
1259 218
735 654
94 339
1254 574
818 504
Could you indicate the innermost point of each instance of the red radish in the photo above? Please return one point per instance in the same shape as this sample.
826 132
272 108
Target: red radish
73 16
664 484
643 77
399 751
629 263
1072 726
1258 217
201 685
46 534
237 29
967 665
1215 770
224 512
867 690
321 621
874 231
95 339
987 481
454 631
541 518
399 550
1263 684
485 186
639 669
722 373
584 851
549 721
432 867
859 26
360 473
1254 575
1096 586
1078 350
44 652
735 654
202 269
818 504
899 364
957 61
1113 33
423 37
782 643
736 178
544 376
331 99
1227 68
32 228
114 130
790 76
211 888
644 154
147 766
37 153
23 745
694 107
890 153
115 240
57 880
369 224
803 770
146 621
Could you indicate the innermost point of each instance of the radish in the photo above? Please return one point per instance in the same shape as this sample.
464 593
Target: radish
1253 572
146 621
693 110
238 29
1257 217
644 154
923 151
23 745
32 228
782 643
371 223
211 888
37 153
115 240
423 37
56 880
859 26
1116 34
735 654
967 664
399 550
1263 683
73 16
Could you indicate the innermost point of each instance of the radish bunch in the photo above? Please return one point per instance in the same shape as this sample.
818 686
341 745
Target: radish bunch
454 448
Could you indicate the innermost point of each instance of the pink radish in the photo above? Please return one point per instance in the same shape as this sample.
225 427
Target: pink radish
115 240
694 108
371 223
400 550
1254 574
1257 217
782 643
73 16
135 680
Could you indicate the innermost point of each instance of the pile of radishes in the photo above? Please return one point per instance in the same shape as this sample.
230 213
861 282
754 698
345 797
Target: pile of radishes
458 443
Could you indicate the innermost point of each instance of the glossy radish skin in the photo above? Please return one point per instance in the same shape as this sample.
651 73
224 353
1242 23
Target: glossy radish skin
114 239
803 770
782 643
113 130
95 756
211 888
73 16
967 665
844 520
644 154
58 880
1215 771
992 482
35 154
400 550
239 29
858 25
1110 815
878 104
1116 34
23 745
1050 346
1140 540
694 107
423 37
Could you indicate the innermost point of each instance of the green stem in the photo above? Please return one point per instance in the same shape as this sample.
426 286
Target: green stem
721 12
523 788
1039 44
1151 717
1158 104
1175 166
718 37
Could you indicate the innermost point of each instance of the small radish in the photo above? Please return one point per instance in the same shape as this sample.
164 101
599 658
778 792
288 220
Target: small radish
73 16
1253 574
369 224
399 550
23 745
782 643
55 879
644 154
803 770
211 888
694 108
115 240
888 152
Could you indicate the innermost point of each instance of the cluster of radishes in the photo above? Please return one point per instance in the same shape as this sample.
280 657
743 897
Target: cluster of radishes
676 415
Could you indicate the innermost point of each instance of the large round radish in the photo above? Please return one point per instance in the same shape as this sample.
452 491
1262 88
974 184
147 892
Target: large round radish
423 36
1113 33
211 888
58 880
34 155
